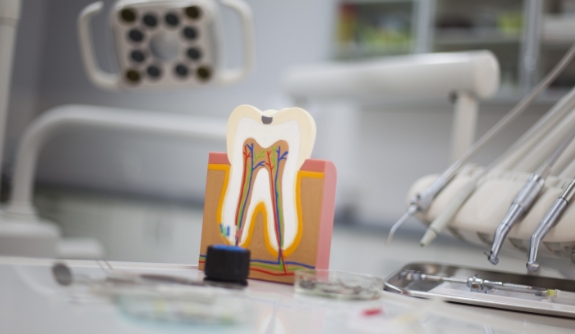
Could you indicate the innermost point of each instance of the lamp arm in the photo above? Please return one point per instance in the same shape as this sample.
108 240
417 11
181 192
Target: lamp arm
97 76
80 116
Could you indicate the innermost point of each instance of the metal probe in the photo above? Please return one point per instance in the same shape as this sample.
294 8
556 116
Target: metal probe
475 283
421 201
525 199
547 223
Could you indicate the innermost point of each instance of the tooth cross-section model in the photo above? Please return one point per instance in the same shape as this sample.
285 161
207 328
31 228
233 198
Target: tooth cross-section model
267 195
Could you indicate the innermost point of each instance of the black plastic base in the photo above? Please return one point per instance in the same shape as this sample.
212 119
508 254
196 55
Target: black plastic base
226 284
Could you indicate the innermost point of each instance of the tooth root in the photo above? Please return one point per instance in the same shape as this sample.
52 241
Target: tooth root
255 151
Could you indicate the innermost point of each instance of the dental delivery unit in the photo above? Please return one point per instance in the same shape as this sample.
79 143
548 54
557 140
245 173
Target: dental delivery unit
500 205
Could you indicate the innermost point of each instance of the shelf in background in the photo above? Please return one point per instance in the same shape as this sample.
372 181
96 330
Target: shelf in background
380 28
374 28
474 36
354 51
361 2
558 30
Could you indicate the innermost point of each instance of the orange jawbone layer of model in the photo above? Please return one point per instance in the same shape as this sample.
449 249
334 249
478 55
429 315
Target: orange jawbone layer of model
315 196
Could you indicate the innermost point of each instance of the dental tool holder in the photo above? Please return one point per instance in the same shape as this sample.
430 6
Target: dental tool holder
479 287
162 45
474 283
482 213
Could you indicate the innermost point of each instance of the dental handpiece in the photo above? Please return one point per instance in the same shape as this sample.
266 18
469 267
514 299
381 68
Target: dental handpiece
423 200
550 219
449 212
525 199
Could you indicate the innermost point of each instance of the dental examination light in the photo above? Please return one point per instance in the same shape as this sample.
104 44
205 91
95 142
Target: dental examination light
163 45
422 200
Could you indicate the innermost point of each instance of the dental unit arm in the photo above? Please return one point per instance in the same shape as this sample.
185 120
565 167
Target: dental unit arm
163 45
468 76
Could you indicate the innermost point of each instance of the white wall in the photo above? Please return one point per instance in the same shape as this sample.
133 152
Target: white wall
397 143
27 70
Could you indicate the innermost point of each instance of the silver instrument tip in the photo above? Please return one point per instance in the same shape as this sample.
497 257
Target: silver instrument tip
389 237
532 266
410 211
492 258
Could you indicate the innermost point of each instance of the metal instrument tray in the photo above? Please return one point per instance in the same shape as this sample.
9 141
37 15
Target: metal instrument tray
433 289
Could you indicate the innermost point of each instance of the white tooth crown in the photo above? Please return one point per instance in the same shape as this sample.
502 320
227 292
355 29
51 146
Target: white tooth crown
265 160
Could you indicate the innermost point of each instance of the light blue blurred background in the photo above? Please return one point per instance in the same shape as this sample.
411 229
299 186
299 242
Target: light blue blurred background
141 196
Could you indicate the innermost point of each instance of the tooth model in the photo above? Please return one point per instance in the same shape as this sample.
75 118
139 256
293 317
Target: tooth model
268 196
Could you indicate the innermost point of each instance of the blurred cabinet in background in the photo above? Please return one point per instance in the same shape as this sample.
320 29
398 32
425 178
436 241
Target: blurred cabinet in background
527 36
557 35
370 28
491 24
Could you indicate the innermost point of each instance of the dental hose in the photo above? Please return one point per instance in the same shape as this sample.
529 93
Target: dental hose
422 201
512 155
525 199
506 161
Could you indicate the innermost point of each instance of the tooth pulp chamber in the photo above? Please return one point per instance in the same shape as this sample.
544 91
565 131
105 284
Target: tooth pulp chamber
256 160
263 178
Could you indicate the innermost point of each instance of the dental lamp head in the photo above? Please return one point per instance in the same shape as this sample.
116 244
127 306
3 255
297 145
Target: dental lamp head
166 44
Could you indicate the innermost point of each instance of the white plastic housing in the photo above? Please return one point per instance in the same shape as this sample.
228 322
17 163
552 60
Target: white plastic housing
34 239
164 47
423 75
10 10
